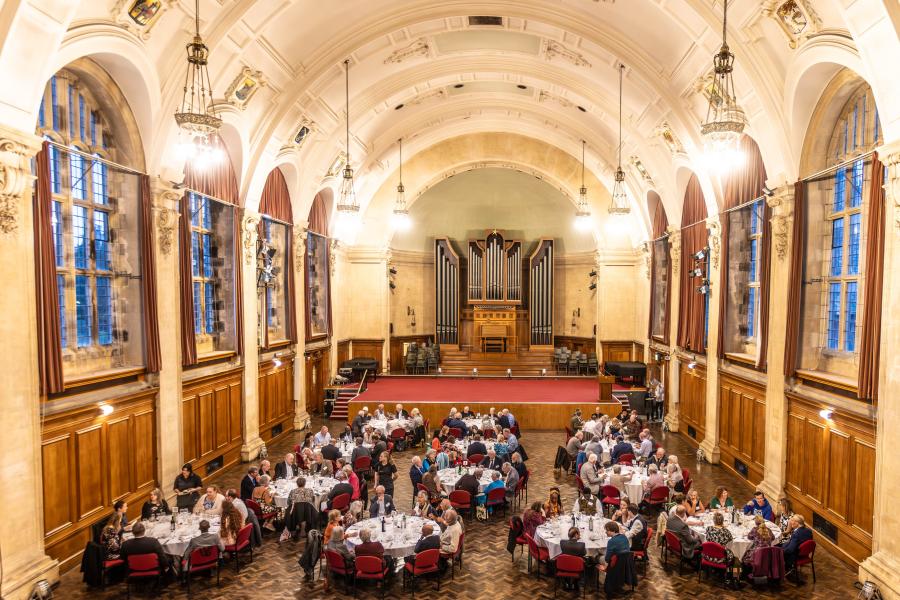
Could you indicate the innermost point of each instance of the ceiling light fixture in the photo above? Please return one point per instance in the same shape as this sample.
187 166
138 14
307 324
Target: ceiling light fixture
197 125
582 212
619 204
725 119
347 207
400 218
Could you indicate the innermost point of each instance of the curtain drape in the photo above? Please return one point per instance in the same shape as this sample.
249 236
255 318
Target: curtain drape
239 280
318 215
50 370
217 180
765 265
869 353
148 279
795 281
694 237
188 339
660 223
276 202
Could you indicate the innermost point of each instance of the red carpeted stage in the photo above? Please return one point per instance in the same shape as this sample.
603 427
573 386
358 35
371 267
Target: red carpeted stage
539 403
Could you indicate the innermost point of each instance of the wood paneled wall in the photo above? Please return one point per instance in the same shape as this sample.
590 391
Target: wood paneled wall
830 470
396 349
343 351
582 344
368 348
276 398
692 396
211 412
742 424
89 462
622 350
318 372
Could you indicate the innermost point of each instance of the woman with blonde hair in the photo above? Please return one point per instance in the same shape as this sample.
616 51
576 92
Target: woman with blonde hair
783 513
694 505
155 507
111 537
760 537
232 521
334 520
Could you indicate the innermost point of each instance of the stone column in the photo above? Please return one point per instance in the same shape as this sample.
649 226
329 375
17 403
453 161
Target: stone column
252 442
386 313
22 557
301 417
782 207
884 564
169 443
673 392
710 443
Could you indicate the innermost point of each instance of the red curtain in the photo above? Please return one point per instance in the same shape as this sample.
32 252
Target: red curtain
318 215
50 370
795 289
148 280
869 350
188 339
276 202
660 223
694 237
217 181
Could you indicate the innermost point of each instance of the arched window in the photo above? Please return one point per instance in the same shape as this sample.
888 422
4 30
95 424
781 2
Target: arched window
318 265
95 220
275 268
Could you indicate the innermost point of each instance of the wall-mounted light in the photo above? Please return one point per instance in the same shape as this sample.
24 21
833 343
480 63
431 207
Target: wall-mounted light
593 273
106 409
592 287
509 373
543 372
392 271
696 273
826 413
440 371
475 372
693 363
701 254
705 288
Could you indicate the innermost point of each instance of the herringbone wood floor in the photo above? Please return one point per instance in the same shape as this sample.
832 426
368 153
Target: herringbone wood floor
488 570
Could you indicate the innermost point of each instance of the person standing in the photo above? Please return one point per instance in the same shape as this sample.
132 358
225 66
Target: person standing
187 488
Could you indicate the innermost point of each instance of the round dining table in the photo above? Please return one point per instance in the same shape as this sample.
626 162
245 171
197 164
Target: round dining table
450 476
550 534
321 487
634 488
187 527
398 540
739 530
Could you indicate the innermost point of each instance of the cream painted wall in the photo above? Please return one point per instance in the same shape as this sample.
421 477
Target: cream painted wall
571 293
414 289
619 301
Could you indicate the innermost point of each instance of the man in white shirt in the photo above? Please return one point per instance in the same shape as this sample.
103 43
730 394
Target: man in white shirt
646 448
237 502
323 437
590 475
451 534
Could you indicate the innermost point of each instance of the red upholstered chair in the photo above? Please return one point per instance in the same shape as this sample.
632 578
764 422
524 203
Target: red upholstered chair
456 557
611 496
424 563
524 481
643 555
241 544
201 560
260 515
336 565
658 496
568 567
456 432
371 568
805 554
461 500
341 502
712 556
673 544
475 459
141 567
106 567
539 553
626 459
497 498
490 434
362 464
520 539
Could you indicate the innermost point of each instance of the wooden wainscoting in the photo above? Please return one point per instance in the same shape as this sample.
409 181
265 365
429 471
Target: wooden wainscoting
343 351
692 399
831 471
276 398
621 350
89 462
742 425
582 344
368 348
396 345
318 371
212 417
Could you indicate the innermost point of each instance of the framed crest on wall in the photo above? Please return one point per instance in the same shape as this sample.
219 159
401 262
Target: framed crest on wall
140 16
244 86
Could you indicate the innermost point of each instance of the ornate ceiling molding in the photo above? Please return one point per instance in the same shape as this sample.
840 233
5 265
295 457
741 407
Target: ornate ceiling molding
420 47
546 96
552 49
139 16
797 19
640 169
664 131
16 152
244 87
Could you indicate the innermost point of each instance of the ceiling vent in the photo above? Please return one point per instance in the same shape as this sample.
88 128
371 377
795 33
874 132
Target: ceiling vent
486 21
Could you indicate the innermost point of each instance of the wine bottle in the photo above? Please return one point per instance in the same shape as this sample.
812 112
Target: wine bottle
382 525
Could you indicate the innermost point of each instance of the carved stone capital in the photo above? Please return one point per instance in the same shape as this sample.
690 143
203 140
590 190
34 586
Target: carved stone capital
553 49
782 205
674 246
332 256
165 211
300 235
419 47
714 226
646 249
889 155
16 151
248 235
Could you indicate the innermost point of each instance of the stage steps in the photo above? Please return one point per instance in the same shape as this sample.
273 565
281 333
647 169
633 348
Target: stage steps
342 401
523 362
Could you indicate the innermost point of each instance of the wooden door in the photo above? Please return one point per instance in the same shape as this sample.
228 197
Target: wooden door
317 369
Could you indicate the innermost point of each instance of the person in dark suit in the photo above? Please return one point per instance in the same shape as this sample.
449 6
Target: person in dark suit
492 461
360 450
476 447
799 533
287 469
504 422
659 458
140 544
573 546
690 541
621 447
382 504
401 412
330 451
248 483
470 483
415 473
456 422
467 414
378 446
342 487
428 541
358 423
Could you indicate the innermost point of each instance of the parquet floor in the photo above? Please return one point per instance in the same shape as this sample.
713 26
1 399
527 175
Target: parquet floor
488 570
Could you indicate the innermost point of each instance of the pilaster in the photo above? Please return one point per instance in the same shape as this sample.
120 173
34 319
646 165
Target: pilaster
782 211
674 302
169 444
301 416
23 561
252 442
710 443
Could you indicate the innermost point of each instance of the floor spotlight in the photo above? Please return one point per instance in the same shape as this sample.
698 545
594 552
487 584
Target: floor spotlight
509 373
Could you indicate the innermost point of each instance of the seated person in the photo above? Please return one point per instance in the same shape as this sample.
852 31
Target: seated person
334 520
367 547
718 533
518 464
437 513
330 451
337 544
621 448
211 501
659 458
654 479
759 504
421 505
231 523
382 504
323 437
492 461
617 480
590 474
203 540
428 541
450 536
111 537
532 518
320 466
721 499
690 541
693 504
467 414
496 482
476 447
155 507
470 483
553 506
140 544
576 422
617 544
760 537
342 487
799 533
288 468
456 422
512 481
262 494
587 503
431 481
633 525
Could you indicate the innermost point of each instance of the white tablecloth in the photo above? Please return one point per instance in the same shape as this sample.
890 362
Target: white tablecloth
321 486
386 426
480 423
739 531
449 477
552 532
633 489
347 451
397 540
187 528
463 445
604 448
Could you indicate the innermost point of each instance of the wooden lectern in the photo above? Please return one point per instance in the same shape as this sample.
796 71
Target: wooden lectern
606 387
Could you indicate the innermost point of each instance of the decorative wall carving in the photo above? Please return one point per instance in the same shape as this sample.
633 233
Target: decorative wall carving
419 47
165 199
438 94
554 49
646 248
641 169
546 96
300 235
796 18
664 131
332 257
15 180
244 86
781 203
715 240
892 187
248 237
139 16
674 247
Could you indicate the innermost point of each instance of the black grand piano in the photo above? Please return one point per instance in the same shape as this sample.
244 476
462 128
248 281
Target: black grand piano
355 368
635 372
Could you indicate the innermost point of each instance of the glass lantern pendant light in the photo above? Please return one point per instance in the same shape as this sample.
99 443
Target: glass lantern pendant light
401 213
582 212
347 204
619 204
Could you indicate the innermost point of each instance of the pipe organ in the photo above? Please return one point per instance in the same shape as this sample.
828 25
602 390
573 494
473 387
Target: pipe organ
541 294
446 279
494 270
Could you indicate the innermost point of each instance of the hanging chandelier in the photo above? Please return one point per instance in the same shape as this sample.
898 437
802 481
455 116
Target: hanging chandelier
197 125
619 204
582 211
725 119
347 204
401 213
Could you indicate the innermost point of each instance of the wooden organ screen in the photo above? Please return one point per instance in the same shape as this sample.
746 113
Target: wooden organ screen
446 276
541 294
494 270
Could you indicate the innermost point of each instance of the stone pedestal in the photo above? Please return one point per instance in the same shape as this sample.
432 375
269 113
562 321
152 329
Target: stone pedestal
23 561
